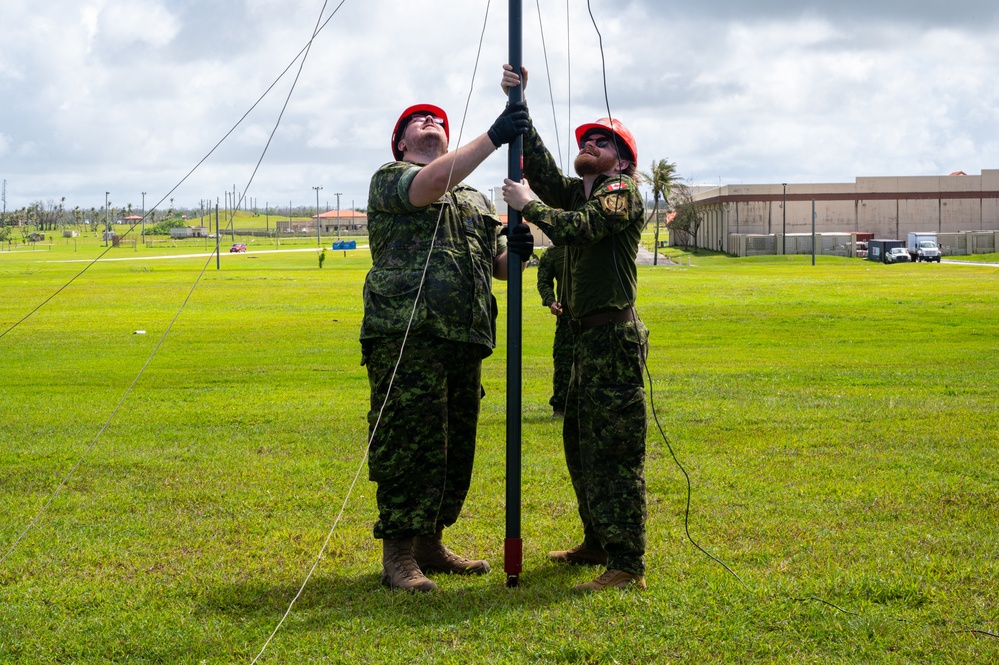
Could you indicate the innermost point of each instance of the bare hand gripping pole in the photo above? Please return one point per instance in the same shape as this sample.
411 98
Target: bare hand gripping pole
513 550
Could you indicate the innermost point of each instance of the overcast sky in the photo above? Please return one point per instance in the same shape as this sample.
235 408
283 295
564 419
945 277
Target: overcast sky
128 96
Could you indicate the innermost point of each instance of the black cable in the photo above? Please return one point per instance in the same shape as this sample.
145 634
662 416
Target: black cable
645 363
603 70
655 416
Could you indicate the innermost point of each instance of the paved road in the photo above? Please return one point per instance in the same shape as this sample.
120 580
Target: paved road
139 257
645 258
969 263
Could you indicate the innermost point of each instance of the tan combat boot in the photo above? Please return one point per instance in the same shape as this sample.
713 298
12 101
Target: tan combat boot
580 555
432 556
399 568
613 579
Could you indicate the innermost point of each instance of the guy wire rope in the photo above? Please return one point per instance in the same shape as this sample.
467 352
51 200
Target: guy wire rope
551 94
197 281
153 208
388 389
568 77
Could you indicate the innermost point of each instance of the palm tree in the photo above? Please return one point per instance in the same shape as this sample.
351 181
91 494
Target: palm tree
662 177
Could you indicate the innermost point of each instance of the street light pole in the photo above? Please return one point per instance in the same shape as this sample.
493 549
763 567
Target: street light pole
319 239
337 194
783 230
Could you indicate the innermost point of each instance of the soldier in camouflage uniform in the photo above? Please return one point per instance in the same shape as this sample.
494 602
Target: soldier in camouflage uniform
599 218
429 320
551 274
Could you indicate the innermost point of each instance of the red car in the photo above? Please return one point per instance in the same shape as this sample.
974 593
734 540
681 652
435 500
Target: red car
238 247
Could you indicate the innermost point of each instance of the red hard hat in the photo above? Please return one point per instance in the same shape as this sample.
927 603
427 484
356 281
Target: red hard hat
401 123
616 128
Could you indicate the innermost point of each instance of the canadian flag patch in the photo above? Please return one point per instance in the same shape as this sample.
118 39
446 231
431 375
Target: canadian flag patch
614 186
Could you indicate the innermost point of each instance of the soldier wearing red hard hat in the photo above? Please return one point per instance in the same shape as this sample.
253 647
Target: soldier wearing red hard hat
598 217
429 320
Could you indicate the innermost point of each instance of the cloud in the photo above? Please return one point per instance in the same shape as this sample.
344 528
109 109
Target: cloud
130 95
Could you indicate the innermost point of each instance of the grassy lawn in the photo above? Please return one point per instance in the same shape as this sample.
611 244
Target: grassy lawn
838 422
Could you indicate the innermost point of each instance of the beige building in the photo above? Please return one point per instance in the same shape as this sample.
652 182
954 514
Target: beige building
753 219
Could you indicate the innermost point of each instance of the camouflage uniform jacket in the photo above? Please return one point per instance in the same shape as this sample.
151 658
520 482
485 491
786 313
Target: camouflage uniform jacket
456 301
551 270
601 233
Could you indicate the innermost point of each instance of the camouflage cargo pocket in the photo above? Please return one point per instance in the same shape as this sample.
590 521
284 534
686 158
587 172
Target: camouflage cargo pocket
389 297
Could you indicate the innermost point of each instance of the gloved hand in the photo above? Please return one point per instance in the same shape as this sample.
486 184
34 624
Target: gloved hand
511 123
520 241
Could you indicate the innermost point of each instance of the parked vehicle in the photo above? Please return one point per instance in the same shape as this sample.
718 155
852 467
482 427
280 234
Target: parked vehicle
237 248
897 255
878 248
923 247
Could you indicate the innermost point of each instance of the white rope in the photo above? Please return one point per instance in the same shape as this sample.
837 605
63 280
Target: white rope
392 376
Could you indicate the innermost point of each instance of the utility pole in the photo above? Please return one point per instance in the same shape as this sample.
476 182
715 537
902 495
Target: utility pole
218 234
813 232
338 194
783 230
107 218
143 218
319 237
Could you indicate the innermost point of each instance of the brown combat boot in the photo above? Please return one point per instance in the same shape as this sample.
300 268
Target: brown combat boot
613 579
399 568
432 556
580 555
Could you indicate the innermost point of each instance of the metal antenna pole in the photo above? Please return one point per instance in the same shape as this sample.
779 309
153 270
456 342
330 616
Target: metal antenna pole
513 550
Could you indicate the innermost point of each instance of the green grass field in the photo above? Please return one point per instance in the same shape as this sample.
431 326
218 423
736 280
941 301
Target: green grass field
838 422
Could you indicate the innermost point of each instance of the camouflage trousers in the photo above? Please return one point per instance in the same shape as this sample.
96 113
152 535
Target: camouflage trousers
423 448
604 438
562 348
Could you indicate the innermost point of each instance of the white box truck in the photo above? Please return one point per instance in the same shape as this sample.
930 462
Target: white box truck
923 247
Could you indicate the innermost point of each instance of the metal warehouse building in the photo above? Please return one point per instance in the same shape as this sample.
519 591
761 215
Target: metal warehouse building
766 219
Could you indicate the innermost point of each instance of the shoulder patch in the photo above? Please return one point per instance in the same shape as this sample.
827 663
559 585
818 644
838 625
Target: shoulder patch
614 186
615 205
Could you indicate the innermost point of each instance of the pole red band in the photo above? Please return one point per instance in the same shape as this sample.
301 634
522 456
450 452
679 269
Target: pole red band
513 556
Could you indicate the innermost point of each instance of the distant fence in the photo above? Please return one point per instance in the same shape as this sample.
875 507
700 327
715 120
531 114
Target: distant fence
844 244
249 237
826 244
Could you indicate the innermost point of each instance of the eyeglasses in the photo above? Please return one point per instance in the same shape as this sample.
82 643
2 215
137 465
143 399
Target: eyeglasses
423 118
598 140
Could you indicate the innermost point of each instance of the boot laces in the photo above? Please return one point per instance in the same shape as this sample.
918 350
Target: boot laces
452 558
407 565
607 576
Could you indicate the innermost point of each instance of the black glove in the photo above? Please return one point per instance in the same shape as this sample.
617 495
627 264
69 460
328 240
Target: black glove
520 241
511 123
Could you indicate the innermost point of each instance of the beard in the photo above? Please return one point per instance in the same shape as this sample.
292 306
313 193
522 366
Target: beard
429 143
589 164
